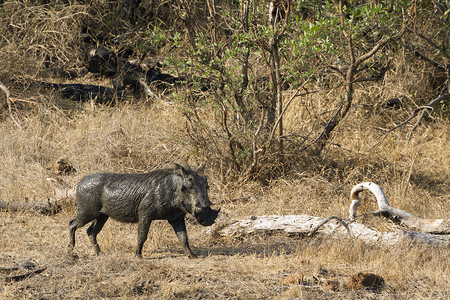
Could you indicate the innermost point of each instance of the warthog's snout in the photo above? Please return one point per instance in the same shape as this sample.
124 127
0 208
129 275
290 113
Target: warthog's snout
206 216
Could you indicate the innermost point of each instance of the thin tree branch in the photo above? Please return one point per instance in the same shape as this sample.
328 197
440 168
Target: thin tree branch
423 57
340 220
10 104
429 106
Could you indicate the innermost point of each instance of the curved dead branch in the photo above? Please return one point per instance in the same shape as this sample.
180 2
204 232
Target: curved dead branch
343 223
397 215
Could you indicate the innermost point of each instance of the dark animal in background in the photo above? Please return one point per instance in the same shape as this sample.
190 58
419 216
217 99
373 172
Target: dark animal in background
86 92
166 194
102 61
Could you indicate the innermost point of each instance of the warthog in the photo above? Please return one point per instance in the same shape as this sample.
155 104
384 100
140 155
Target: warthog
167 194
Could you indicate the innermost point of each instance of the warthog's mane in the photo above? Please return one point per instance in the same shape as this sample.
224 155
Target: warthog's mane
139 184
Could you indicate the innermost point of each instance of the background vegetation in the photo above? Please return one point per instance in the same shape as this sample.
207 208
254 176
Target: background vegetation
303 100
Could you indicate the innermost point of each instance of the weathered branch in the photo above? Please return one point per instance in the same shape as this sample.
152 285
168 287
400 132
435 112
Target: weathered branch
49 207
337 227
30 270
343 223
6 95
397 215
26 275
62 194
303 224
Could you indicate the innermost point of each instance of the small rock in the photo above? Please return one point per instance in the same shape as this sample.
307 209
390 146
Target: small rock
365 280
62 167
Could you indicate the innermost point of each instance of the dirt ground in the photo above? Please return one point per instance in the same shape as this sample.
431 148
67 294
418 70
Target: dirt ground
35 264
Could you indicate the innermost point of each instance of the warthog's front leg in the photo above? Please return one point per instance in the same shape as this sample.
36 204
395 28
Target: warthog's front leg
180 229
143 227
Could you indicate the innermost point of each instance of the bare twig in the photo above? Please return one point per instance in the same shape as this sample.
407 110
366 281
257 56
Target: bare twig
419 120
26 275
340 220
10 104
424 109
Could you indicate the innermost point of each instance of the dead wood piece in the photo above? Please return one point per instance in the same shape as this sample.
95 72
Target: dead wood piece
49 207
326 221
80 92
6 94
29 267
304 224
25 275
441 226
64 194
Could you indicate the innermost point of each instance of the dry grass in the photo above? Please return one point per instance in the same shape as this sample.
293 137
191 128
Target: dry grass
139 137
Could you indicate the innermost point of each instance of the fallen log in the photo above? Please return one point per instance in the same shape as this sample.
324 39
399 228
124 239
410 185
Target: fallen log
48 207
399 216
304 224
63 194
337 227
85 92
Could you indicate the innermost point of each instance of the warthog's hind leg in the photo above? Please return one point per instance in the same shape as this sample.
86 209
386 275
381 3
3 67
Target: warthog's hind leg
72 228
94 229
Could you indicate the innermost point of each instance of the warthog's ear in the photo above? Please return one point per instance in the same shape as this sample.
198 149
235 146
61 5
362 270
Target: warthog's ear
179 170
201 170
